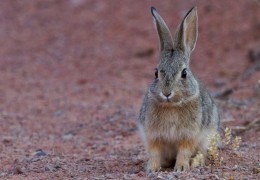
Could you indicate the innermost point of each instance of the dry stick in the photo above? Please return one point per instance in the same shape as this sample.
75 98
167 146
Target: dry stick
252 124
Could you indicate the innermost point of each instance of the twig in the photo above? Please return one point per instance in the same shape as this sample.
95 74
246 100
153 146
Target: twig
252 124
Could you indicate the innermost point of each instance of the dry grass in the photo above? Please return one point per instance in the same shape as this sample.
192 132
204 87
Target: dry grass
230 143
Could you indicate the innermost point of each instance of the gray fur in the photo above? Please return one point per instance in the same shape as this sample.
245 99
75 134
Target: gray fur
190 113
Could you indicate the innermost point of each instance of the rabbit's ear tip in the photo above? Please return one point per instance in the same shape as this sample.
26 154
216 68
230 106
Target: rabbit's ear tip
194 8
192 11
153 10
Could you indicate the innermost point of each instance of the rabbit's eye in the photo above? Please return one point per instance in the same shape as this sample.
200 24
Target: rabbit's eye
184 73
156 73
162 71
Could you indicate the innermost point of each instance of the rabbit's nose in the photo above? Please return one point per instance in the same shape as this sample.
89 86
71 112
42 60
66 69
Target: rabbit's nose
166 96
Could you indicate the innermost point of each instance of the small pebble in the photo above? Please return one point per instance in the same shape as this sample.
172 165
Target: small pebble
40 152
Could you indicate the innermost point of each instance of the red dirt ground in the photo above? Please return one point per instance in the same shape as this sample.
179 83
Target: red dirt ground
73 74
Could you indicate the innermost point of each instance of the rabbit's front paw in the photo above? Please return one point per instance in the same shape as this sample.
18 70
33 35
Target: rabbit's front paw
181 166
186 147
153 165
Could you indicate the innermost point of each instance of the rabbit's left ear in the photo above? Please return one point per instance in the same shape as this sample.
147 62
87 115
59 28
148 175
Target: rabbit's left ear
187 32
163 31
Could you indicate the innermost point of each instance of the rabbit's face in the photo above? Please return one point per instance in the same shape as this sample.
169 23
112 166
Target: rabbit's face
174 83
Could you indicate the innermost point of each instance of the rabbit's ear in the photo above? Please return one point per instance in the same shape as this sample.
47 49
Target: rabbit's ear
187 32
163 31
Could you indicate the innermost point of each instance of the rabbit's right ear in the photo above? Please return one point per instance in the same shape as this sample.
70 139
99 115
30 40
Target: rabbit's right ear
163 31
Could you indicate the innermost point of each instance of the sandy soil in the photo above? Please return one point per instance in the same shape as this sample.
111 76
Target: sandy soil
73 74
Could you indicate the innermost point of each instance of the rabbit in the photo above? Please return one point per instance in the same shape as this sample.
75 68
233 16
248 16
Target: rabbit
178 114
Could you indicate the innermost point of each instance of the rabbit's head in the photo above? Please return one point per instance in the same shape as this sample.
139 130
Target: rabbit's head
174 82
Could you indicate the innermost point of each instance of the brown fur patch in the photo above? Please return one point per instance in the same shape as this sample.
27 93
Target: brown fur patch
187 144
154 148
155 145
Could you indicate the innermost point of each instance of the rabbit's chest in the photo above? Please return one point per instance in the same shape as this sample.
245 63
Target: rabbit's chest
172 126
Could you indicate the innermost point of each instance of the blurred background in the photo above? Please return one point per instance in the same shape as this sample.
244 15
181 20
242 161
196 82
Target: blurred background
73 74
